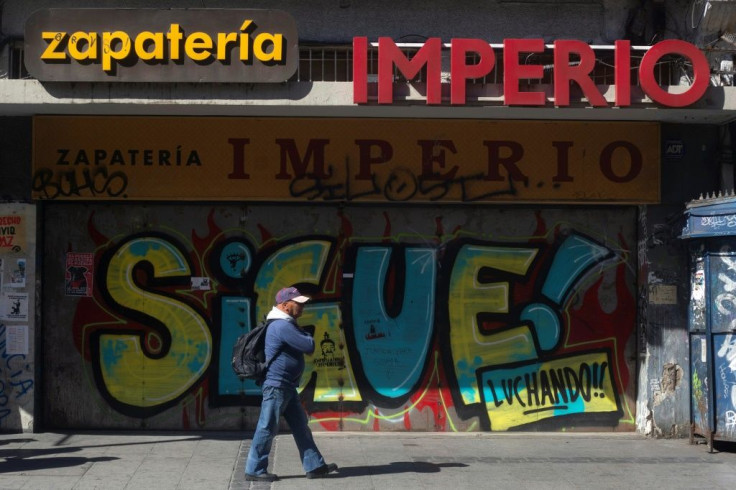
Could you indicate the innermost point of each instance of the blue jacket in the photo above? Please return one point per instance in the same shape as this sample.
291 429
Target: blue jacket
289 343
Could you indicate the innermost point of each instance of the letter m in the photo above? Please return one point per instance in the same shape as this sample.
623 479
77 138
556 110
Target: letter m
389 55
290 153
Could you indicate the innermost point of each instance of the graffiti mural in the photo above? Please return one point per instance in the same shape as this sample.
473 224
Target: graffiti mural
464 330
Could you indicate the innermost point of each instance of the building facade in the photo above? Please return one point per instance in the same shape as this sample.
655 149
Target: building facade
484 199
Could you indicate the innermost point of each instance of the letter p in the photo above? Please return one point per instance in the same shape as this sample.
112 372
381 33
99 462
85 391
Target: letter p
460 71
385 153
110 41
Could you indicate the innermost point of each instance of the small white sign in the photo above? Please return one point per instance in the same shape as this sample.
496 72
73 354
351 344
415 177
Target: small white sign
663 294
703 351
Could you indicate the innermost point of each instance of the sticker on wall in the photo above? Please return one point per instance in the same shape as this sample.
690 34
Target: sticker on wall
703 351
201 284
674 149
78 275
14 306
698 286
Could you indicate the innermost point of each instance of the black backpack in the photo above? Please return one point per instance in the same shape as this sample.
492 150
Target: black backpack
249 354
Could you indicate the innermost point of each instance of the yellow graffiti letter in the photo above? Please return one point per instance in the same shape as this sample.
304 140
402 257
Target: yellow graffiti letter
130 375
472 349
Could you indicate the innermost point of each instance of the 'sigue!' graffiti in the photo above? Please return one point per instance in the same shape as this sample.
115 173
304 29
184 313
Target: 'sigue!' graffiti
476 331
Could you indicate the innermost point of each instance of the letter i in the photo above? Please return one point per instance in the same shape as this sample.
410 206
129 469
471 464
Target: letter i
360 70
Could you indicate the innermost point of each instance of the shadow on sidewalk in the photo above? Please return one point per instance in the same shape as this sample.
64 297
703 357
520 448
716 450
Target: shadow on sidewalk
20 459
21 464
15 441
386 469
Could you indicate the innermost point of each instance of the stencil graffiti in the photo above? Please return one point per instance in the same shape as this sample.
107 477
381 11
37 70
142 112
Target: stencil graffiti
471 333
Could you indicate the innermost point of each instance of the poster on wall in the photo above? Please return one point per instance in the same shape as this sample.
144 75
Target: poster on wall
16 340
14 306
12 233
78 276
18 274
13 272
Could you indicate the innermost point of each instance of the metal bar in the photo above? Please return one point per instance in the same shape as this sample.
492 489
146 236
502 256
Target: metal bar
710 369
600 47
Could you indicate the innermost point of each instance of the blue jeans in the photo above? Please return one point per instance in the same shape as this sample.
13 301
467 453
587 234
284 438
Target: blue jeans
277 402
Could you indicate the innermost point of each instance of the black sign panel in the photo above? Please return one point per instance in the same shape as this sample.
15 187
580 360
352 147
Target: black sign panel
152 45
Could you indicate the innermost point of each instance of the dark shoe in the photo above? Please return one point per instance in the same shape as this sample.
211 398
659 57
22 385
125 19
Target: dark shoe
262 477
322 471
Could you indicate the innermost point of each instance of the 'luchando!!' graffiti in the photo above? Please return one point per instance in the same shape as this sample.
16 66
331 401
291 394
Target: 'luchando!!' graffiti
494 336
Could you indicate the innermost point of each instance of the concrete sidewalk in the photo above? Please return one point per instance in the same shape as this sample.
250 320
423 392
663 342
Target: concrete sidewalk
214 460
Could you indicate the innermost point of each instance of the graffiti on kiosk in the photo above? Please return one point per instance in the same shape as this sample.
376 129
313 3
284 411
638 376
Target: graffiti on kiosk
726 367
491 335
718 222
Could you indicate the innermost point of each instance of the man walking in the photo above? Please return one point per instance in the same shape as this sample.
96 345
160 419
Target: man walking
286 343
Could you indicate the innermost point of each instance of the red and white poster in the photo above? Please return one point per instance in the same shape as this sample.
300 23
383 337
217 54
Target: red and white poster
79 271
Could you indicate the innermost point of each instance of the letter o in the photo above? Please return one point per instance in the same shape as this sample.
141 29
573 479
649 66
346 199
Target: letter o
606 162
701 69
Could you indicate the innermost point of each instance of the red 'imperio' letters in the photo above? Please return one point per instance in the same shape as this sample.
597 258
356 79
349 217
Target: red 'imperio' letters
430 54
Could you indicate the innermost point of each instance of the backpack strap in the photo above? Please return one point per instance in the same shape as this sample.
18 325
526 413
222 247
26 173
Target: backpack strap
268 363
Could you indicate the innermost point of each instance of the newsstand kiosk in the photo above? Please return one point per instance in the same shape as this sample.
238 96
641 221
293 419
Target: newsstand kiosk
710 230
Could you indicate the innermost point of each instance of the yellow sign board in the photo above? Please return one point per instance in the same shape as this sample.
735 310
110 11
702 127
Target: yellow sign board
344 160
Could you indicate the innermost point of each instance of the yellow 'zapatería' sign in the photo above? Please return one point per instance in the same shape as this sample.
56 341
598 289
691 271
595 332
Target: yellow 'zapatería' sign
280 159
161 45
